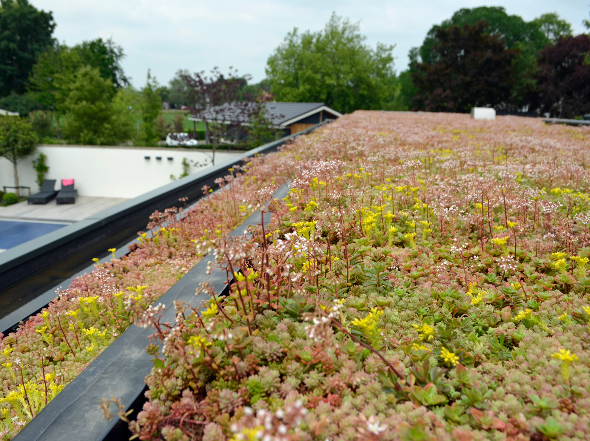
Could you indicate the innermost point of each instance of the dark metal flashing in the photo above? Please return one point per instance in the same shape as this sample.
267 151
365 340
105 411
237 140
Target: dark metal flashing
569 122
121 369
28 270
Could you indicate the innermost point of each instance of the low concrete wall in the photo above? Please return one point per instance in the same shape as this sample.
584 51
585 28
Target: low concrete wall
101 171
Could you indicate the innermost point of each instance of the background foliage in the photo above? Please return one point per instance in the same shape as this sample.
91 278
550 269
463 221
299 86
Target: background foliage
333 66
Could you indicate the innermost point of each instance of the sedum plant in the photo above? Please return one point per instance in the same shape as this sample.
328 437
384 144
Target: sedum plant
424 279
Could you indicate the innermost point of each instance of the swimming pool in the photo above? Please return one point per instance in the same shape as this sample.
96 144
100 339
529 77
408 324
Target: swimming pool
13 233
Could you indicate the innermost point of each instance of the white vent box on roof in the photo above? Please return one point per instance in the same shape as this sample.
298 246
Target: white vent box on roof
483 113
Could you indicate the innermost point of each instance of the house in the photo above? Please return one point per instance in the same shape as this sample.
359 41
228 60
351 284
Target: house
290 117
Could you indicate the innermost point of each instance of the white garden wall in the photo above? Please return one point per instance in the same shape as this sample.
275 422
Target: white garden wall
121 172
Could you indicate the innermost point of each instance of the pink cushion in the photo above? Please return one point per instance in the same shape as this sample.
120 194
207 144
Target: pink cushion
65 182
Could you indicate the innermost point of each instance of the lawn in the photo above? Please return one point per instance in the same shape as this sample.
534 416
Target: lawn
426 278
188 125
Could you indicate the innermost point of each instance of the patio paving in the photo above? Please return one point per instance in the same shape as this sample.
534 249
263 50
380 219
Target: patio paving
68 213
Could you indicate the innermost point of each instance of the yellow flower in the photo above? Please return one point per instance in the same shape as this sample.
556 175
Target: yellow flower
449 357
581 265
198 342
91 331
417 347
90 348
426 331
567 358
500 241
563 317
564 355
41 330
410 238
251 276
112 250
369 326
96 259
558 256
523 315
211 311
478 298
586 309
579 260
560 265
311 205
511 225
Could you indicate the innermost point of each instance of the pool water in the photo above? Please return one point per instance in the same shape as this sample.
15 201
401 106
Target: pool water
13 233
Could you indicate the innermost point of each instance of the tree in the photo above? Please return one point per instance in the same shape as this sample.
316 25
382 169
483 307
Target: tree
53 73
94 112
473 68
17 141
333 66
25 32
552 26
219 101
564 77
178 89
511 28
56 68
514 31
149 106
105 55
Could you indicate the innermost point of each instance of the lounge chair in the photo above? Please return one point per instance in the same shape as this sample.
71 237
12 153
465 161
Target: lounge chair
46 194
67 194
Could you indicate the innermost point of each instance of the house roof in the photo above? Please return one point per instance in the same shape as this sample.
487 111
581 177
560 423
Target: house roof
279 113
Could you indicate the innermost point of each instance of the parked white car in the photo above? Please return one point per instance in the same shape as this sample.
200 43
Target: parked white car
179 139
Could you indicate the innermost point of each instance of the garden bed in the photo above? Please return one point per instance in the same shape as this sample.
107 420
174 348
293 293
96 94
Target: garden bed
424 279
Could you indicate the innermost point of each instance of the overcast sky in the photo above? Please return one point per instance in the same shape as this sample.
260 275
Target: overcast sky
165 36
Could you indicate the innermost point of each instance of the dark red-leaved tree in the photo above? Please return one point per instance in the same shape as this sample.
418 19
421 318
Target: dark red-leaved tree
563 82
220 102
470 68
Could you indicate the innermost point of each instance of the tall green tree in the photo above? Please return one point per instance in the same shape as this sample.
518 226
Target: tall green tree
17 141
472 68
149 107
93 112
25 32
106 56
56 68
333 66
553 27
178 90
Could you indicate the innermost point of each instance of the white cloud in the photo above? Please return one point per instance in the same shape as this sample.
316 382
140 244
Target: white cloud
198 34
